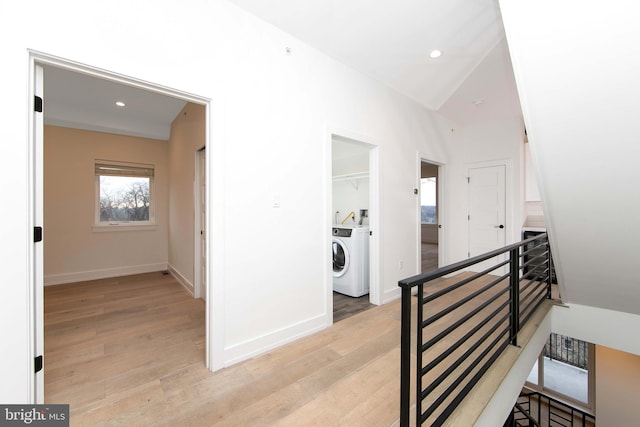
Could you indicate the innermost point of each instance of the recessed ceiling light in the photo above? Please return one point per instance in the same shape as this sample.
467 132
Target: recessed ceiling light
435 54
120 104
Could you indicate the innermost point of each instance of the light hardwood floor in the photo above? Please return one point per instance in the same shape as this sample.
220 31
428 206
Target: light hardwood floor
130 351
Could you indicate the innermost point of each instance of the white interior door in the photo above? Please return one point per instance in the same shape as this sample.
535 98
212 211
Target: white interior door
487 211
200 290
38 252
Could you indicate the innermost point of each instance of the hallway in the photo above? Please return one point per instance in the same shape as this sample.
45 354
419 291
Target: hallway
130 351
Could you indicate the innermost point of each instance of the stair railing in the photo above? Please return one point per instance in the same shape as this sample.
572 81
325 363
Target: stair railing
525 418
547 411
486 312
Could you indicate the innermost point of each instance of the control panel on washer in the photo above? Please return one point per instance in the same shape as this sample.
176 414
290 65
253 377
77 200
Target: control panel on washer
342 232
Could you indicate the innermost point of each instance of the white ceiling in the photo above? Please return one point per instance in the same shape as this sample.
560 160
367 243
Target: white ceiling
84 102
389 40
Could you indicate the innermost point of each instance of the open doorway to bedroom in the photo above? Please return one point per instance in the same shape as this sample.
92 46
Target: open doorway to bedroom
114 279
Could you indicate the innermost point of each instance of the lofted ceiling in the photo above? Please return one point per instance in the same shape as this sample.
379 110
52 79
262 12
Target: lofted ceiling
388 40
391 41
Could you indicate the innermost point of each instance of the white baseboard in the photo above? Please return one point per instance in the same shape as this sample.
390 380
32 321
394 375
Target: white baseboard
81 276
180 278
248 349
391 295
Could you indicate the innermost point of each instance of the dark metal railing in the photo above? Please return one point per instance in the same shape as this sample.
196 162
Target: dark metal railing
462 328
521 417
568 350
547 411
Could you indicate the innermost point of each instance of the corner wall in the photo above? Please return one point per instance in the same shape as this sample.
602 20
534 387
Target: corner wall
581 116
72 250
489 141
187 137
269 116
617 387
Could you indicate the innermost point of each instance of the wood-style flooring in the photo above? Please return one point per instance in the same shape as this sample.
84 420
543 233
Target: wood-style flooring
345 306
130 351
429 256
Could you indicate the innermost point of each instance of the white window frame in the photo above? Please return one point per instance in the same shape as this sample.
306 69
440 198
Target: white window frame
589 406
146 170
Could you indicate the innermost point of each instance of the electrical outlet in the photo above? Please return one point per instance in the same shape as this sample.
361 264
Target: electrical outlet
401 265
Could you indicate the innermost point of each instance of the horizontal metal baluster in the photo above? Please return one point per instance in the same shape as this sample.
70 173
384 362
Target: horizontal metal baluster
526 291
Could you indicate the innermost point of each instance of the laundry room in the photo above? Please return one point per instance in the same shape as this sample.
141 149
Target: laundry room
350 228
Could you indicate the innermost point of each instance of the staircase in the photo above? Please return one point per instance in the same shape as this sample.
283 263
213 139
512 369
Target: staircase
536 409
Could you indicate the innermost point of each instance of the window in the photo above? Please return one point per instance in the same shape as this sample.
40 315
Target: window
124 195
565 369
428 212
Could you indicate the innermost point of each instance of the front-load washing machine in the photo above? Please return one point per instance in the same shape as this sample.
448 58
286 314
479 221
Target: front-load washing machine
350 249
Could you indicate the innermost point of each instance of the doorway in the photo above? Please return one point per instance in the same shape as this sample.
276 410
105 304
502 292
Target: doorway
487 211
430 214
37 120
353 282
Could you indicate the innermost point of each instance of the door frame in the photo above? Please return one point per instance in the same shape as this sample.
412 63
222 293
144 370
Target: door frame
512 234
36 219
197 224
376 292
214 341
441 212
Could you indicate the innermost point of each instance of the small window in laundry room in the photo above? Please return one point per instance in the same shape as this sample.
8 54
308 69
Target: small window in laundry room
124 194
428 211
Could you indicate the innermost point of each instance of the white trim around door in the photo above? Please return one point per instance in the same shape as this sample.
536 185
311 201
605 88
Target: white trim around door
214 337
376 294
441 199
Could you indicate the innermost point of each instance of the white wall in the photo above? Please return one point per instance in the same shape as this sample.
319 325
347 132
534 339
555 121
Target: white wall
488 141
350 195
617 387
350 185
187 136
614 329
73 251
276 145
531 191
581 114
269 113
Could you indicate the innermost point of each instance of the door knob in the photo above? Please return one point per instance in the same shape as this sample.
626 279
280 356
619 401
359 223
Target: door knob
498 226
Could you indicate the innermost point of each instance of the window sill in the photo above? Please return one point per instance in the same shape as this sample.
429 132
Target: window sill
123 227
